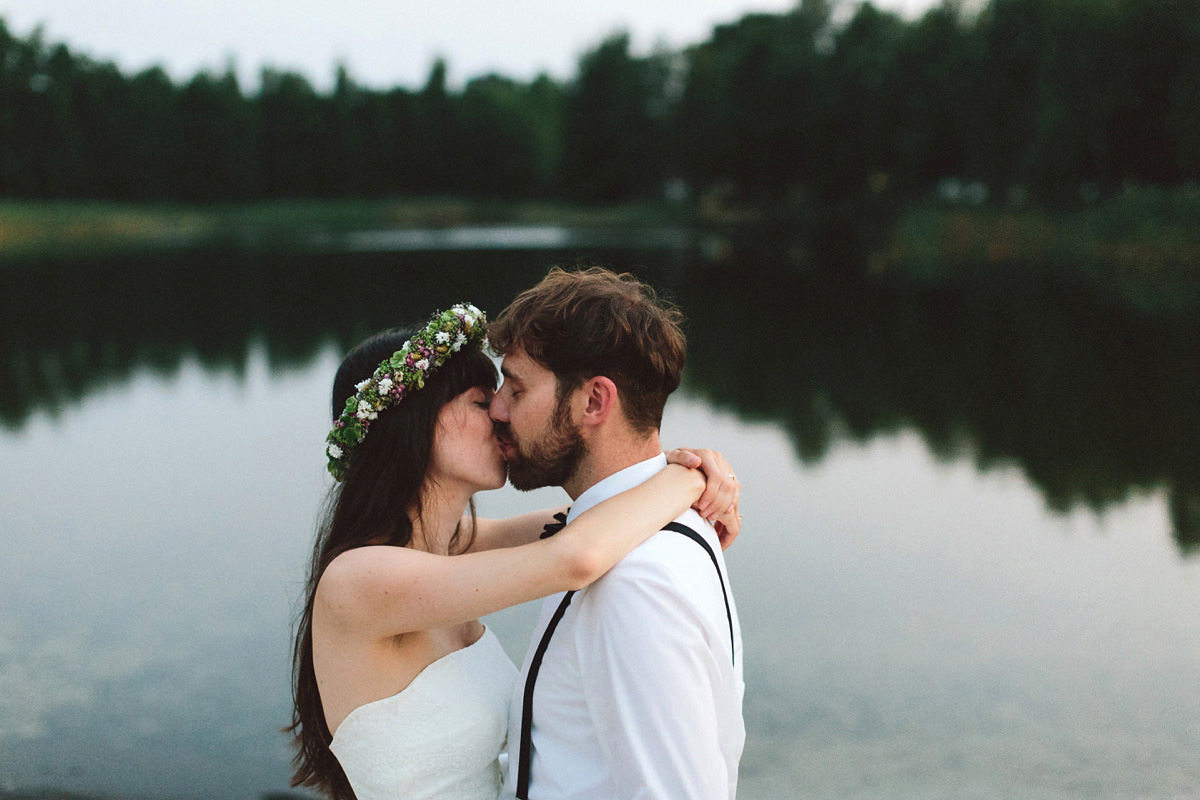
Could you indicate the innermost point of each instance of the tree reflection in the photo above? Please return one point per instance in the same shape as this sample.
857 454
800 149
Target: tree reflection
1052 369
1045 368
70 328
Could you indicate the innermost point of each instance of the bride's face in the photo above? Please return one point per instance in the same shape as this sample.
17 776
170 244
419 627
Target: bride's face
465 449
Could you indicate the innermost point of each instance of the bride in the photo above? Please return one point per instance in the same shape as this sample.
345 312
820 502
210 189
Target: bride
399 691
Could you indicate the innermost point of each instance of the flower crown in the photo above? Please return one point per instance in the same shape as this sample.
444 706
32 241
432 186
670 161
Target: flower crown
403 372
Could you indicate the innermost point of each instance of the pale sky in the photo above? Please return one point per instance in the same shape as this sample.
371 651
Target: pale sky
384 43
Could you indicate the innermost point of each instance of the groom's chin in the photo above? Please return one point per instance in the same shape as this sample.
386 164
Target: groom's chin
540 469
522 481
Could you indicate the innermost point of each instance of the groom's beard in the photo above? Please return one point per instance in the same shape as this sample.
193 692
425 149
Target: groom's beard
549 460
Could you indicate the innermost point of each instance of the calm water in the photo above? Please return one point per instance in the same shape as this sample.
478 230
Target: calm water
969 506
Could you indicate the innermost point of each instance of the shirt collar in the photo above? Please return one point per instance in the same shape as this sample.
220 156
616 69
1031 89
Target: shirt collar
616 483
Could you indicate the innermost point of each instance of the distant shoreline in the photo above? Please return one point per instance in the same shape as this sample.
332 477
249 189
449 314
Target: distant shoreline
1145 232
82 227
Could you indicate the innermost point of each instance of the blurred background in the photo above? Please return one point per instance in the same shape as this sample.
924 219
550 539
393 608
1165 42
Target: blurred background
941 269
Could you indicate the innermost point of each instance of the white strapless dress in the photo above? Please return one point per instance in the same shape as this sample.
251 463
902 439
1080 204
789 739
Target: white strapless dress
440 737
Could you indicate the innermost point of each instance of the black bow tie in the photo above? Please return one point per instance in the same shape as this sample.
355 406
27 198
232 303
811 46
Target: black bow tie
551 528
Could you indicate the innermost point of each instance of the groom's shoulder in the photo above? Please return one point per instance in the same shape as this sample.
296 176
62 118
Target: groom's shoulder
668 571
670 552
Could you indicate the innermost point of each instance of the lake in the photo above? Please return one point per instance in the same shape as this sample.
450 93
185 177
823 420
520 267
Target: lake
969 566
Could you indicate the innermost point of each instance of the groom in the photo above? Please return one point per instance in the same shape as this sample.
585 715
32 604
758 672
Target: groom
632 687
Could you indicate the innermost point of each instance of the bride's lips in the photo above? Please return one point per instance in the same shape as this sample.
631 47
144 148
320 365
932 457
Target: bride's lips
506 449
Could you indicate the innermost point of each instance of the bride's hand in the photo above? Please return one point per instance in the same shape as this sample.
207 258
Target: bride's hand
719 502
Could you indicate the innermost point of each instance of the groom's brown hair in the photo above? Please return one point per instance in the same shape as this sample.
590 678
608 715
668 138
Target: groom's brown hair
595 322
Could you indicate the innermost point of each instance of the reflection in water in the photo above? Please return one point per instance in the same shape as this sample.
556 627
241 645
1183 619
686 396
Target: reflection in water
69 328
1091 395
1093 399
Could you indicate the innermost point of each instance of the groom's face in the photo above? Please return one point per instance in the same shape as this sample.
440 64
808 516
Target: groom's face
540 440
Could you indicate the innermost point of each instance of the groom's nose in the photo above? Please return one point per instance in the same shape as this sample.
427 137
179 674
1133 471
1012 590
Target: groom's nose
498 408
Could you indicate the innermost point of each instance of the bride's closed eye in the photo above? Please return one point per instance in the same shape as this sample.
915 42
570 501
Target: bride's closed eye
481 398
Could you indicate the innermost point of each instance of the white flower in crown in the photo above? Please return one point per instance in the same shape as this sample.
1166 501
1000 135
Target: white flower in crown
385 386
442 337
460 340
362 384
365 411
334 451
422 365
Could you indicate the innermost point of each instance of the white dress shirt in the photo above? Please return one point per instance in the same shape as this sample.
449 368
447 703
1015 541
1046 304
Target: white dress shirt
640 690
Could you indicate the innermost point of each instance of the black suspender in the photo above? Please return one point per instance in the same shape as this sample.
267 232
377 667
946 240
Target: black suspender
679 527
526 749
527 700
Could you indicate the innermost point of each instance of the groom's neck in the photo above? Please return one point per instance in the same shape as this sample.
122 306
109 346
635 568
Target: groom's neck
608 456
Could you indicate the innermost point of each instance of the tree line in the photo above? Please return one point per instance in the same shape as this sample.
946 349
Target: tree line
1056 101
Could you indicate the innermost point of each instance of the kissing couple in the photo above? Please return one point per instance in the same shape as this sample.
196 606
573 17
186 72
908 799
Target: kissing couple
632 686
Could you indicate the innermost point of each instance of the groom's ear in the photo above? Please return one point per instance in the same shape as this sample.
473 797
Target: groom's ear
601 400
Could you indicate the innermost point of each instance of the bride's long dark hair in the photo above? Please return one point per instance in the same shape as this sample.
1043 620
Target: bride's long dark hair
375 503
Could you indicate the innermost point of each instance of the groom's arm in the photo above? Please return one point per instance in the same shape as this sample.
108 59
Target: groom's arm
650 659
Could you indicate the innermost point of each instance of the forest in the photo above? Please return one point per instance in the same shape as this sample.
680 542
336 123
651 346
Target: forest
1051 102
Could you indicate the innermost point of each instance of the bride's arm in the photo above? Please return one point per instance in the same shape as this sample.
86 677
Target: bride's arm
384 591
510 531
718 504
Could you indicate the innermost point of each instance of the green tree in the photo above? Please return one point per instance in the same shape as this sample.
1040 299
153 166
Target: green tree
615 119
289 136
47 148
13 89
753 104
1157 42
346 127
216 160
147 139
431 167
1183 113
859 142
504 142
1013 41
934 97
